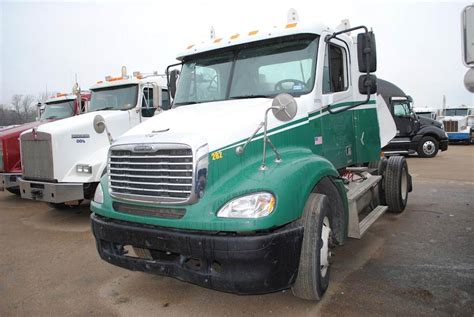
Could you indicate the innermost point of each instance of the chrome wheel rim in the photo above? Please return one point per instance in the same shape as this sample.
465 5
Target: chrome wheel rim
325 253
428 147
404 184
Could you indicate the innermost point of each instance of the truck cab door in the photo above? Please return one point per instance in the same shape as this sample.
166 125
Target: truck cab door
403 118
337 129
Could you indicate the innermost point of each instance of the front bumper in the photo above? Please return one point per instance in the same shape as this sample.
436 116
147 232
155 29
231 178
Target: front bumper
9 180
51 192
459 136
241 264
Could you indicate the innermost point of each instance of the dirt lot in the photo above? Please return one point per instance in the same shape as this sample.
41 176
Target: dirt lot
418 263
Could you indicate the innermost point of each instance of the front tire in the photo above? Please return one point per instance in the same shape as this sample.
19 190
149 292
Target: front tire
428 147
312 280
397 184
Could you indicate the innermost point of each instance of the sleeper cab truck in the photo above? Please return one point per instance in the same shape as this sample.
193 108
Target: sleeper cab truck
57 107
258 172
415 134
63 161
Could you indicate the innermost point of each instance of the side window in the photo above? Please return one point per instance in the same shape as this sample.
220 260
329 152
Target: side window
147 102
400 110
165 100
335 75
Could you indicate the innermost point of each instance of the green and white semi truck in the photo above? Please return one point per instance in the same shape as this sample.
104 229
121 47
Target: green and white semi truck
268 160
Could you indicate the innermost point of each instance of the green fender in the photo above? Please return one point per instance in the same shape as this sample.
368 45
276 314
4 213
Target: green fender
291 181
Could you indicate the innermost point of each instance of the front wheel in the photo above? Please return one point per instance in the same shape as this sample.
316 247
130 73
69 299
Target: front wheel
314 268
428 147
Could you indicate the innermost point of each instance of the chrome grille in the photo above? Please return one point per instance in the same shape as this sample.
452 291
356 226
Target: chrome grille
37 156
450 126
164 173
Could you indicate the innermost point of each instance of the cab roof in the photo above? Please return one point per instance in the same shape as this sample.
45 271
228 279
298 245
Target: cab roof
130 80
290 28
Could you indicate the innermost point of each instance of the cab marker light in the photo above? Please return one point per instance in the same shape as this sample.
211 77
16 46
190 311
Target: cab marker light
291 25
235 36
253 32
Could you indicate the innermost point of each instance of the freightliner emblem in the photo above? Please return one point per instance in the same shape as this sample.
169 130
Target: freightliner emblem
143 148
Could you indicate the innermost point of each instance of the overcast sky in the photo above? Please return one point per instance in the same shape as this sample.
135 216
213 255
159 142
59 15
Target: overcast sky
43 44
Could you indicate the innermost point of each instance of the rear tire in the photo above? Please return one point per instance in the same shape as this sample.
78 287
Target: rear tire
15 191
397 184
314 268
428 147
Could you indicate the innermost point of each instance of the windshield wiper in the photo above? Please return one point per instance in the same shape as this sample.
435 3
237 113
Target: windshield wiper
250 96
52 117
106 108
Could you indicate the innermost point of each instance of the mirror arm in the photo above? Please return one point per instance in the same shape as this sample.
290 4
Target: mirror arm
330 37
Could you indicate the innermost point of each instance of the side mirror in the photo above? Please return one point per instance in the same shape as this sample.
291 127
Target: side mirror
410 99
467 20
367 84
174 75
157 102
284 107
366 52
99 124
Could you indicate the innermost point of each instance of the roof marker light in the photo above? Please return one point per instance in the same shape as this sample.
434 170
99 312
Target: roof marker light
291 25
233 37
253 32
217 40
190 46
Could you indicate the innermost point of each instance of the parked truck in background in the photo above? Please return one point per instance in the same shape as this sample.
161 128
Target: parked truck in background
257 173
456 124
427 112
58 107
63 161
415 134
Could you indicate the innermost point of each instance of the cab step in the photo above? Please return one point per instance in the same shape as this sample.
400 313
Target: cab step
371 218
362 194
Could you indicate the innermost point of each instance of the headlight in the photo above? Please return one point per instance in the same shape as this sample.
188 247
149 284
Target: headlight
99 194
250 206
81 168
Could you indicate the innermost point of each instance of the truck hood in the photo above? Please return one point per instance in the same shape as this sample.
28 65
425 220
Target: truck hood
221 123
427 121
74 140
16 131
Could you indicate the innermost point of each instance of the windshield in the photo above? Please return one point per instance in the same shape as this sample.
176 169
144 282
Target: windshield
114 98
456 112
58 110
425 114
257 69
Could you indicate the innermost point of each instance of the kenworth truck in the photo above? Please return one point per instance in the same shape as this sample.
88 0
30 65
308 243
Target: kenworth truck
57 107
415 134
63 161
259 171
456 124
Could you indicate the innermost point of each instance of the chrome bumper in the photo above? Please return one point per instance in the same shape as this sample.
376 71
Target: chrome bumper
51 192
9 180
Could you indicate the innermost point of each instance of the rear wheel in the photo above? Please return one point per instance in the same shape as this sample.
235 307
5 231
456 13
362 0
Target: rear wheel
428 147
397 184
14 190
314 268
